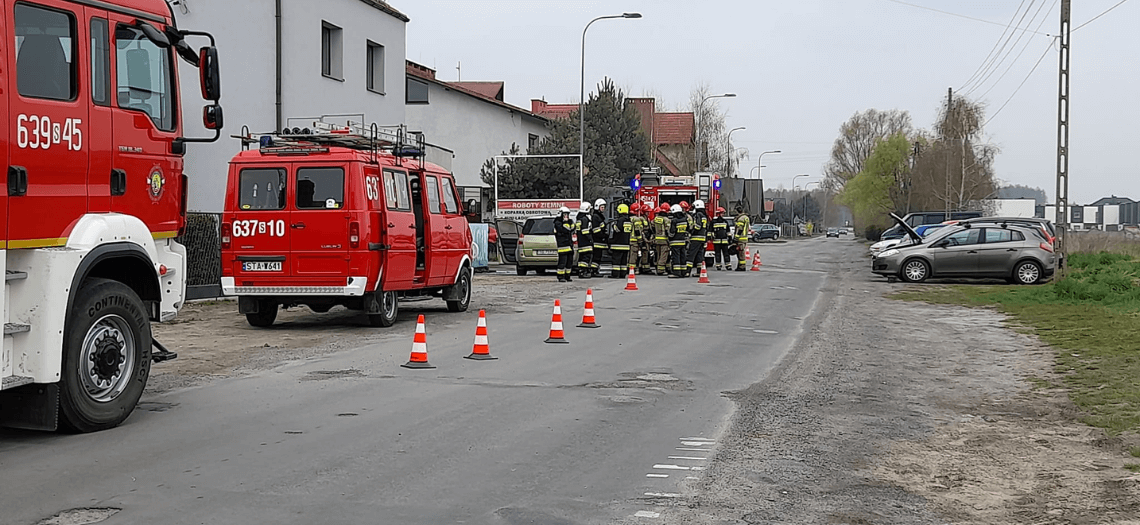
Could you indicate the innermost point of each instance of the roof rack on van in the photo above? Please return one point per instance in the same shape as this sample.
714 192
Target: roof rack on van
319 135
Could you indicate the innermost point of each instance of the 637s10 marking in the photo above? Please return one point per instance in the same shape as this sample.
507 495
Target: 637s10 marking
250 228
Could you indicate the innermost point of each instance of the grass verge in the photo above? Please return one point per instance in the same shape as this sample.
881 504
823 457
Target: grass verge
1092 318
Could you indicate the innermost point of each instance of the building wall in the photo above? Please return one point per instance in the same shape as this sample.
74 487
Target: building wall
474 129
246 34
1014 207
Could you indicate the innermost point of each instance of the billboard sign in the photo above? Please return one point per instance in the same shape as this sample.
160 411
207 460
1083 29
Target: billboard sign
520 209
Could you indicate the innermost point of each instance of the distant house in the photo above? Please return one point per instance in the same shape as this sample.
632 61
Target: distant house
469 118
1106 214
670 134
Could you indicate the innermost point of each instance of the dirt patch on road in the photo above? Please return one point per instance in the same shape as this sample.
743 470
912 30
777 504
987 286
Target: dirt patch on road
895 412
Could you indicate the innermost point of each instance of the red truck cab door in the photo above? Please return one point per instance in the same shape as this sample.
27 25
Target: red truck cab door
145 180
397 232
319 235
47 119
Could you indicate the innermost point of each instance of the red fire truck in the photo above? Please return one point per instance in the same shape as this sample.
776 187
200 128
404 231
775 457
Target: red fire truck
95 197
654 190
330 215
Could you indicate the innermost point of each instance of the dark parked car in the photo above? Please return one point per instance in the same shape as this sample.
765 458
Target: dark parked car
764 231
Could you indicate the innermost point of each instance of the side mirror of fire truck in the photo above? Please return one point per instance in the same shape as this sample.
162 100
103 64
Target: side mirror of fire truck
212 117
210 74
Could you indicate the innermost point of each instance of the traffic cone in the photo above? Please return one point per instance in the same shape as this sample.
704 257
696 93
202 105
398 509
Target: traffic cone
631 281
481 351
704 275
588 317
756 262
419 348
556 333
747 253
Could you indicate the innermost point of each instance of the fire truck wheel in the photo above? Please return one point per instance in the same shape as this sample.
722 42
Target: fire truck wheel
106 357
463 287
266 314
389 307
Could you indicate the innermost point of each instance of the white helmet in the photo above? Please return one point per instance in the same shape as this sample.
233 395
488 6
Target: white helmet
699 204
563 210
599 203
675 209
585 207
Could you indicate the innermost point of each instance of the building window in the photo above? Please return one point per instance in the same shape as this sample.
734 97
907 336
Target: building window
375 67
332 51
417 92
532 141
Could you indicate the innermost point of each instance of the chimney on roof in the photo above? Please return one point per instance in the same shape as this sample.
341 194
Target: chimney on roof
421 69
537 106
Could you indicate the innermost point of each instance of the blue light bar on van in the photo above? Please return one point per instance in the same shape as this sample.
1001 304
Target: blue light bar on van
408 151
267 141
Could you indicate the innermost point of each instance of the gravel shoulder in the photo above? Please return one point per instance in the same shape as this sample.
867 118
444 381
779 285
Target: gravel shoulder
899 412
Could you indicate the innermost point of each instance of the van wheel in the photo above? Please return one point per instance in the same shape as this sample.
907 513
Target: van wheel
463 287
266 314
106 356
389 307
915 271
520 270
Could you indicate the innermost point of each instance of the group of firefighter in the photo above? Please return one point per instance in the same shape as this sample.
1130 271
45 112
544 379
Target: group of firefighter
667 240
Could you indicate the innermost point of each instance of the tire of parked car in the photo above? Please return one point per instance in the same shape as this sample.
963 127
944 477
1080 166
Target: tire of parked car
915 270
1026 272
520 270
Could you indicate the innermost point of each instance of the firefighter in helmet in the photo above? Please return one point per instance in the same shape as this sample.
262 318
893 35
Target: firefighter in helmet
661 226
601 234
678 240
720 241
564 237
743 226
585 240
620 242
638 253
698 241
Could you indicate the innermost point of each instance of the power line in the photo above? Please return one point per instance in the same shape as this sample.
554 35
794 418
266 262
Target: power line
991 22
998 41
1043 55
994 61
1015 59
1100 15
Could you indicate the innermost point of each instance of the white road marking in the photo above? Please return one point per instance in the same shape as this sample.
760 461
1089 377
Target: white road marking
699 439
691 477
671 467
647 514
697 443
768 332
662 495
656 475
687 457
693 449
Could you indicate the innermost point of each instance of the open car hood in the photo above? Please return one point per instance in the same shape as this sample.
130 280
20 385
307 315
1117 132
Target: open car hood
909 231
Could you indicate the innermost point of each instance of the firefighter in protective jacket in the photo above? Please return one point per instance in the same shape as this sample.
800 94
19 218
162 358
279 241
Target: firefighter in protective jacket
564 238
720 241
600 231
585 240
620 242
662 225
678 240
697 242
743 228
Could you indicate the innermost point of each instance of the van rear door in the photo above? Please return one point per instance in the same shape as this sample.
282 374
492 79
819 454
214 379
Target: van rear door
319 226
258 224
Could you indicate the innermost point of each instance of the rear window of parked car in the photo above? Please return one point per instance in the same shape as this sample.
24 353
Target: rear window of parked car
539 227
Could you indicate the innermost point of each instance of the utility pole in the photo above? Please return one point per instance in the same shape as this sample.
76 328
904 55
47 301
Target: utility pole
1063 144
949 105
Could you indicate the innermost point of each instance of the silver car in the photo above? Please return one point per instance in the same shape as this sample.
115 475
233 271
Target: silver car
1018 253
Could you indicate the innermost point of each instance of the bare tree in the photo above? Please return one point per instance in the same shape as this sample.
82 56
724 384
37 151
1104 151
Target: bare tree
857 139
710 130
954 169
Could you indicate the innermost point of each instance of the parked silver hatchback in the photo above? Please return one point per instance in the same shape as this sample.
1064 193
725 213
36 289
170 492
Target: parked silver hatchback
1019 253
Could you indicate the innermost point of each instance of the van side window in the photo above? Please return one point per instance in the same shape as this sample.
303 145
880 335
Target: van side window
100 62
433 194
396 190
45 48
449 202
320 188
262 189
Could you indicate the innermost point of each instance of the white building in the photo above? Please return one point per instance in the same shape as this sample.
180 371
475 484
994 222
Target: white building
1012 207
333 57
469 118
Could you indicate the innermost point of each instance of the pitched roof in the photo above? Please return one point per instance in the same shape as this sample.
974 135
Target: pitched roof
673 128
428 74
552 111
487 89
668 164
383 6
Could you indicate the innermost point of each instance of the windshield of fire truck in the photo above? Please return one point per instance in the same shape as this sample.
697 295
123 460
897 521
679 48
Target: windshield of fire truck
144 76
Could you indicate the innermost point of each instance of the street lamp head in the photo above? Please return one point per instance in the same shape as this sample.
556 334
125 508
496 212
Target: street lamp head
631 15
729 95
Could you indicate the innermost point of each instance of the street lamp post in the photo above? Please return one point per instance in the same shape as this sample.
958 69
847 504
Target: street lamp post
729 151
582 107
761 159
697 146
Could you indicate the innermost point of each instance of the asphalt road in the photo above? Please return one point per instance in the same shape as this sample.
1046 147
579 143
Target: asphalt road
588 432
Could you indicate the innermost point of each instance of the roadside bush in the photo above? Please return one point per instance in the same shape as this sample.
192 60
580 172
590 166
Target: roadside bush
872 233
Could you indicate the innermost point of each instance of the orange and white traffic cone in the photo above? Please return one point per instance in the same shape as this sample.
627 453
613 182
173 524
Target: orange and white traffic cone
481 350
704 274
588 320
747 253
556 333
419 348
756 264
631 281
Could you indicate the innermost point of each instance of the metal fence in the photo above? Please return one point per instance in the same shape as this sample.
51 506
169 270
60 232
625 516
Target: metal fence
202 240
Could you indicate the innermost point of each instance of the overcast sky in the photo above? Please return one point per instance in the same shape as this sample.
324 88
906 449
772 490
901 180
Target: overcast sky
801 68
